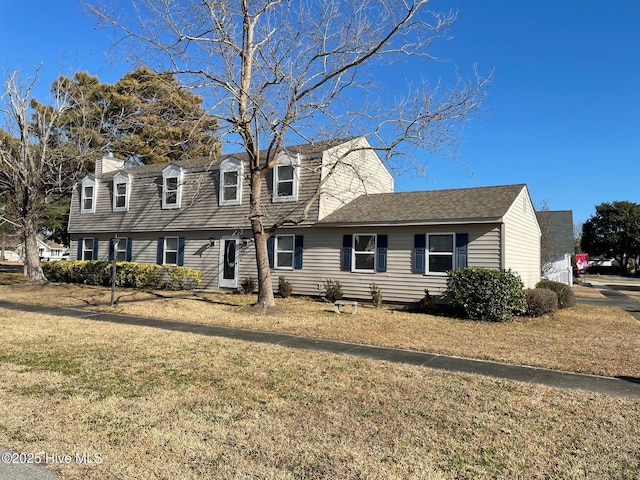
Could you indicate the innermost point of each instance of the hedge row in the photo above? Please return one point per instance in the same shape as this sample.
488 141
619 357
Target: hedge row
497 296
128 274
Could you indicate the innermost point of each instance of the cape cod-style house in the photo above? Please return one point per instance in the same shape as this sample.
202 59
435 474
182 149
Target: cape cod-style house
356 229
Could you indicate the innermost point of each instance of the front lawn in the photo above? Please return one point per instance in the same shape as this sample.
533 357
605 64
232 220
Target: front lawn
162 404
587 339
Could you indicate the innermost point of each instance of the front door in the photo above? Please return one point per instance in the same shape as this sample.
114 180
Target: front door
229 262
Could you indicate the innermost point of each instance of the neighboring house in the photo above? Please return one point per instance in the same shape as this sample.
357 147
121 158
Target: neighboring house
47 251
357 230
10 254
557 245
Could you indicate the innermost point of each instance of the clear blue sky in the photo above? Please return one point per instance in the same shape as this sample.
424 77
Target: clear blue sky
563 113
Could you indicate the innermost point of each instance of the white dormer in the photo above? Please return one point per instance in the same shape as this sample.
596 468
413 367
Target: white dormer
171 186
88 194
121 191
286 178
230 189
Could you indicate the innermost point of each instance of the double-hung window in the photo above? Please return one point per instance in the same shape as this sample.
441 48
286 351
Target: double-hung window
284 250
286 175
88 194
121 191
120 250
88 249
170 251
171 187
231 173
440 250
364 252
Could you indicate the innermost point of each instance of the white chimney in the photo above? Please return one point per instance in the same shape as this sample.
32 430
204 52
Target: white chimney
108 163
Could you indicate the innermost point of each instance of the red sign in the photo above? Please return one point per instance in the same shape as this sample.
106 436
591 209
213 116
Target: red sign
582 262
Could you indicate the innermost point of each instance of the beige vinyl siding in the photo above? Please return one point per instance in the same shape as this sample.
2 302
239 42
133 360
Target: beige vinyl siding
321 259
360 173
522 240
322 255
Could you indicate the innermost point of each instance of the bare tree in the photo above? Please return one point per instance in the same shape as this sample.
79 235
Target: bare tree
279 71
32 173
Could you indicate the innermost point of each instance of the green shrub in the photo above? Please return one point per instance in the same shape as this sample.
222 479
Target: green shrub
128 274
332 290
248 285
541 301
486 294
566 297
426 304
285 289
376 295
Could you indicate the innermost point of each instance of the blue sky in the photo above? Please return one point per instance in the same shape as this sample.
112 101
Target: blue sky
563 112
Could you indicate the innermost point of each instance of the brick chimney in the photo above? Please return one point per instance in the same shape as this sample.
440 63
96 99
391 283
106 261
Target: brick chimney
108 163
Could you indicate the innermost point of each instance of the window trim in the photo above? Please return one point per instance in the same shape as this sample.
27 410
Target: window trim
277 250
285 160
170 172
374 253
121 178
92 249
165 250
427 253
88 181
231 165
116 250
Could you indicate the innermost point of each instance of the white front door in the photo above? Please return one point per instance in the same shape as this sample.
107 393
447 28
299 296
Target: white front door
229 262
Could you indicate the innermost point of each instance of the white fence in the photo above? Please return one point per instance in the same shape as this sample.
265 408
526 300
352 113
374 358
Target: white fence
559 270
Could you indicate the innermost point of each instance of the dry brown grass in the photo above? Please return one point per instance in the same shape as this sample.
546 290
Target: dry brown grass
160 404
586 339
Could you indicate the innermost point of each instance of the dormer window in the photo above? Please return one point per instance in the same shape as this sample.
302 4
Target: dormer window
286 178
121 192
88 194
231 173
171 186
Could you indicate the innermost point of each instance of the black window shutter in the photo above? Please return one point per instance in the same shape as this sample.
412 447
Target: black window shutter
347 242
129 249
111 250
160 256
297 255
462 251
382 253
180 251
80 243
95 249
270 247
419 244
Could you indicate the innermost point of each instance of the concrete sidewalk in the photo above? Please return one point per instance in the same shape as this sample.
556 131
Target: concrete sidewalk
623 387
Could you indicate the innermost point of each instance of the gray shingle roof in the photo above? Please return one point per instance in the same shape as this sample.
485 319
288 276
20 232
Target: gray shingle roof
309 150
468 205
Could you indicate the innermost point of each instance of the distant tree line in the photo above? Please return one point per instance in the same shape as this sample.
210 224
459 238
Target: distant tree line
614 232
145 117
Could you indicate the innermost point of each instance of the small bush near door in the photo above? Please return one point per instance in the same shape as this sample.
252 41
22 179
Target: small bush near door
248 285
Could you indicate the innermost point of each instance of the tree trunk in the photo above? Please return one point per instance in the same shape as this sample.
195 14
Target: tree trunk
31 256
265 288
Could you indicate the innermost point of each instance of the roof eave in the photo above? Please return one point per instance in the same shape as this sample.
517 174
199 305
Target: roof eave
414 223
